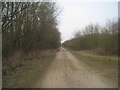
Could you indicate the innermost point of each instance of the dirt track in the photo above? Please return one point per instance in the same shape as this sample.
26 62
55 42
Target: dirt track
68 72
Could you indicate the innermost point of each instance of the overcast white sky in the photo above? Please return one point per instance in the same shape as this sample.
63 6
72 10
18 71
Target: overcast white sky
76 14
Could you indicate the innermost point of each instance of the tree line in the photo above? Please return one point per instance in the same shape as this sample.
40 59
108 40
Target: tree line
101 39
29 26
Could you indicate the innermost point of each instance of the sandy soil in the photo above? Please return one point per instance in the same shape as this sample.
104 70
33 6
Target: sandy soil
68 72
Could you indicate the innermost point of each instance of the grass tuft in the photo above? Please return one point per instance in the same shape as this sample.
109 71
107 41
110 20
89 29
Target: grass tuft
25 75
106 66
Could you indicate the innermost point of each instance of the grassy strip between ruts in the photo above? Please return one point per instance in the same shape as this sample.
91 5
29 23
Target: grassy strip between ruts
27 75
103 65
